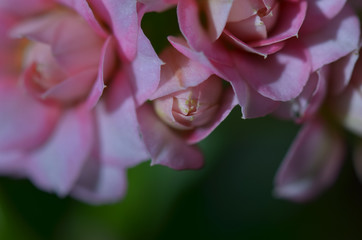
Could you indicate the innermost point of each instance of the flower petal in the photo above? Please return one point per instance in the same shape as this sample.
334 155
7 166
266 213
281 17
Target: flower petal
164 145
24 122
320 12
144 70
56 165
124 23
282 75
179 73
100 182
312 163
118 128
227 103
106 65
83 9
336 40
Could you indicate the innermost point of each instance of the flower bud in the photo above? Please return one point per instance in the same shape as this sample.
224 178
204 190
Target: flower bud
193 107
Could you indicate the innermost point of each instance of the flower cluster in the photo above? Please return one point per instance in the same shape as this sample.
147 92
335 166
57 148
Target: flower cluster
84 96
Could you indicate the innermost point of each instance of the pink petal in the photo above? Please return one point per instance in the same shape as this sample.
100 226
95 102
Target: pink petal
291 18
348 108
252 104
320 13
24 122
118 127
124 23
179 73
341 71
12 163
106 64
144 70
262 51
307 104
221 67
164 145
156 5
312 163
227 103
83 9
56 165
71 89
190 25
25 8
64 32
100 182
282 75
336 40
217 12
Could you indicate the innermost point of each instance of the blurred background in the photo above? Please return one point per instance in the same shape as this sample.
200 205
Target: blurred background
230 198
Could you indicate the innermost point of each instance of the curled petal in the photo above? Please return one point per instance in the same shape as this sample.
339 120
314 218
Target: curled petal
227 103
106 64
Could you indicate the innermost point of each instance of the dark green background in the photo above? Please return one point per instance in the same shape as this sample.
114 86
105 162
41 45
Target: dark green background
231 198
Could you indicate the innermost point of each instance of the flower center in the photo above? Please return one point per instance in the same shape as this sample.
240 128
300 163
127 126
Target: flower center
252 20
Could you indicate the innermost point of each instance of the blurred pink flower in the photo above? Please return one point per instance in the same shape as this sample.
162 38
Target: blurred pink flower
60 126
290 39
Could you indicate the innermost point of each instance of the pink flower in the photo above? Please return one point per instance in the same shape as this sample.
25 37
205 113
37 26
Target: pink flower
68 115
290 39
187 106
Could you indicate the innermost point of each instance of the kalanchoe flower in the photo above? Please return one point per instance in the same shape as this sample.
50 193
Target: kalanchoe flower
63 54
189 103
290 39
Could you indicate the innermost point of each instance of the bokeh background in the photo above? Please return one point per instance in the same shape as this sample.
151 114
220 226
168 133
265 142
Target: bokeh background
230 198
